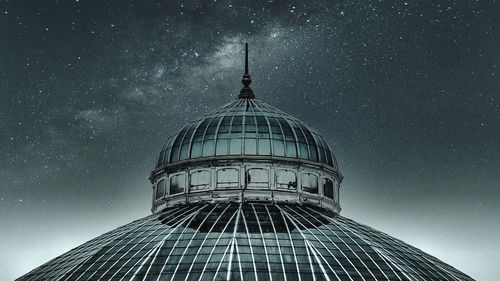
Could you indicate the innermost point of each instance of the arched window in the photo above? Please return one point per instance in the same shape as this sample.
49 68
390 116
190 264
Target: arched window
257 177
310 183
228 178
328 188
286 179
160 189
177 184
200 180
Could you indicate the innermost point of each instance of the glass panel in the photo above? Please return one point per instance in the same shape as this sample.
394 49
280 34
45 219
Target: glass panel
235 147
262 127
200 180
177 184
291 150
227 178
222 145
310 183
264 147
313 153
303 151
328 188
257 177
208 148
196 150
286 179
251 146
278 147
184 151
160 189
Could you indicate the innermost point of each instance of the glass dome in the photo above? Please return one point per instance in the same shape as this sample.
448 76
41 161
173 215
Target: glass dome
247 128
245 241
265 206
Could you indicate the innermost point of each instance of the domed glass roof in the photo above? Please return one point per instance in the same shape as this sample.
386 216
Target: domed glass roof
245 241
247 127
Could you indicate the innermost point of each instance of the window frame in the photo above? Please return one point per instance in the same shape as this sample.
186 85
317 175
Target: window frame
325 179
200 187
170 184
219 185
309 174
259 185
293 186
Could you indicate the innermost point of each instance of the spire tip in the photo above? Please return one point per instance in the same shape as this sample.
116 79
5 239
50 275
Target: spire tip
246 92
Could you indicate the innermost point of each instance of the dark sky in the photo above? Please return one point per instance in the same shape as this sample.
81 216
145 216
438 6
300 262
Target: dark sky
407 92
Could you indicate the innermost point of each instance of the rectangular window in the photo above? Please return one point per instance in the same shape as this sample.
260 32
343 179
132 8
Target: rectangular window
228 178
200 180
286 179
310 183
177 184
257 178
328 188
160 189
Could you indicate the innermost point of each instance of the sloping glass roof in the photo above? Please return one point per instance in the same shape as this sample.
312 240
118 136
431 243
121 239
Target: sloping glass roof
245 241
247 127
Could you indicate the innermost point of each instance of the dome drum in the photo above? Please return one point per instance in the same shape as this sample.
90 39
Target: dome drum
246 180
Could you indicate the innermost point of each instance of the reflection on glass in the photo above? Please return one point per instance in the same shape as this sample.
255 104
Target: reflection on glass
177 184
286 179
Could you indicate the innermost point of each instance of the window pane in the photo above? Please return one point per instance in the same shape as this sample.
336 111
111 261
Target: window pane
291 150
258 178
222 145
160 189
196 150
177 184
278 147
251 146
208 148
328 188
184 151
286 179
227 178
264 147
200 180
310 183
235 147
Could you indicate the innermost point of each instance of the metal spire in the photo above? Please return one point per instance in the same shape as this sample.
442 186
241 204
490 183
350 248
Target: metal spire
246 92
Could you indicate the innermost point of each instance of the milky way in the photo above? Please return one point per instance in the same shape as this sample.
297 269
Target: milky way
407 93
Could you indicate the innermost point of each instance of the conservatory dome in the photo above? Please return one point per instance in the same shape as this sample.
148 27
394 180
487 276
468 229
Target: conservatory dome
245 192
247 128
244 151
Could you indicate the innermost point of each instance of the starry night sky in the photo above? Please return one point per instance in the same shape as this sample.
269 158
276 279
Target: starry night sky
407 92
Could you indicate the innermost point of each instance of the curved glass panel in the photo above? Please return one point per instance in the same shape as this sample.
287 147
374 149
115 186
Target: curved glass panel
160 189
246 127
245 241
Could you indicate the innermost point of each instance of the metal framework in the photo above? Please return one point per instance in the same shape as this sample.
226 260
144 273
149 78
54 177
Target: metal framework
245 241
